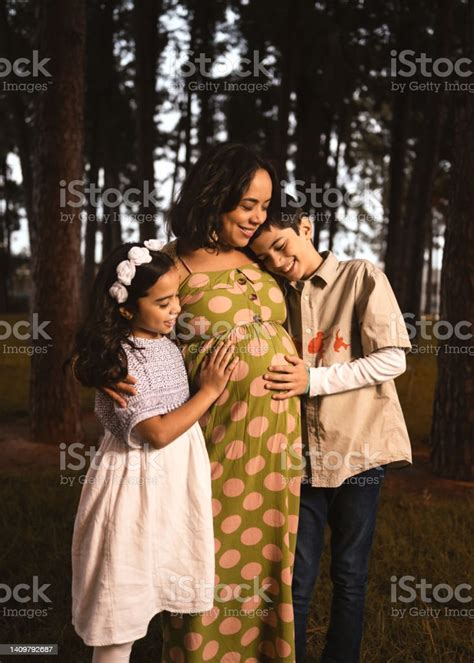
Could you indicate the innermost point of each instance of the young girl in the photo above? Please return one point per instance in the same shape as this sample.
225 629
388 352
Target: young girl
143 537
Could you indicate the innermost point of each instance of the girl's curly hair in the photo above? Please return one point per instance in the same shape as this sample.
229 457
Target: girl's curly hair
99 358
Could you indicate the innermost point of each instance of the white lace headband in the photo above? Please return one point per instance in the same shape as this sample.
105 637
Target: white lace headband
126 270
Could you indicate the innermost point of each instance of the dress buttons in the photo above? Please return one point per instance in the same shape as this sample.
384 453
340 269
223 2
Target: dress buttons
241 280
253 296
257 318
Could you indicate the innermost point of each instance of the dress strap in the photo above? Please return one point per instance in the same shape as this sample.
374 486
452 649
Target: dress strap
171 249
184 263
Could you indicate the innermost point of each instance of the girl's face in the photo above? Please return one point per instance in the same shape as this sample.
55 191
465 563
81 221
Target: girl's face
239 224
157 312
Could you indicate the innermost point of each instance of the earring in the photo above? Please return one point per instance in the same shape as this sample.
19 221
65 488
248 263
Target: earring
125 314
214 236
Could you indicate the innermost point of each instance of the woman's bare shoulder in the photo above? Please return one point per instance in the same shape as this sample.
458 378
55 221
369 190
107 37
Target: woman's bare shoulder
171 250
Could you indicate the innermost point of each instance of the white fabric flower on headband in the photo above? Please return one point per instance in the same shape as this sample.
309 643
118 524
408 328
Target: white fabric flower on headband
154 244
139 255
126 270
118 292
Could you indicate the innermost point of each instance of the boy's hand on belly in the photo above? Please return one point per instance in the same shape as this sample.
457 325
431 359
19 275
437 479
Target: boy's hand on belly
288 380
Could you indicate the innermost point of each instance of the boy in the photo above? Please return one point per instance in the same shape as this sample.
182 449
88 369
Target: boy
351 338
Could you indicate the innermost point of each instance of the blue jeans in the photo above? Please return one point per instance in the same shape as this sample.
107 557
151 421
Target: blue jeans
350 510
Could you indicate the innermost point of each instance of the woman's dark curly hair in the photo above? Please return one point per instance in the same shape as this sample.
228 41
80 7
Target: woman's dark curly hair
215 185
99 358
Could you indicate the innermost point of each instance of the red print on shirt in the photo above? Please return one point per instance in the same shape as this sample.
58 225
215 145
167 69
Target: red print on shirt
316 344
339 342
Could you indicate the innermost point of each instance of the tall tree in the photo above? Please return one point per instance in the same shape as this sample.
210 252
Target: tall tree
146 59
452 434
56 257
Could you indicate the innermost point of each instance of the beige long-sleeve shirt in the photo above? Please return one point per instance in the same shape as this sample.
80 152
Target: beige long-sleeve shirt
344 312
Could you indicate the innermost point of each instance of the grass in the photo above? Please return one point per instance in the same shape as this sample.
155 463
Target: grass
37 521
14 370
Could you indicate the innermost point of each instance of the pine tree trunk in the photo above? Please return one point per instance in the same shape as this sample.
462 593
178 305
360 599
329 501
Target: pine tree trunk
395 228
59 130
452 434
146 53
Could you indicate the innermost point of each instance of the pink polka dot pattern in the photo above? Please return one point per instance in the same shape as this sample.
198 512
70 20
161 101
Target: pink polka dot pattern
291 423
231 657
285 610
210 617
283 649
192 299
216 507
252 441
279 406
235 449
216 470
274 518
253 501
229 559
198 281
223 398
230 524
251 536
277 443
251 570
230 625
258 426
252 274
244 315
275 481
275 295
219 304
249 636
218 434
192 641
240 372
210 650
287 576
233 487
257 387
255 465
271 585
238 411
273 552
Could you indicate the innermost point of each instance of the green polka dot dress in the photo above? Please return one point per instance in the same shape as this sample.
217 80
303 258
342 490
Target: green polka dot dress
254 445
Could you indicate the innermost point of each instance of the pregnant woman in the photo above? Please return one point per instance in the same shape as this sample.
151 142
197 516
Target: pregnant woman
253 442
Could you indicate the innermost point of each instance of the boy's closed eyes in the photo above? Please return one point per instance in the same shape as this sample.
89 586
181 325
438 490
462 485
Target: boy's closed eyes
286 252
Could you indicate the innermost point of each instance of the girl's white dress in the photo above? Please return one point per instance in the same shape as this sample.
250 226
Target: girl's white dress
143 536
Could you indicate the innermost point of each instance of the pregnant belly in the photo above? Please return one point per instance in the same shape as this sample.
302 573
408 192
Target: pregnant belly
245 429
258 346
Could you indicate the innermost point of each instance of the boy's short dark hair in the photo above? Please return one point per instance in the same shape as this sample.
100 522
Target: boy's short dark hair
288 215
